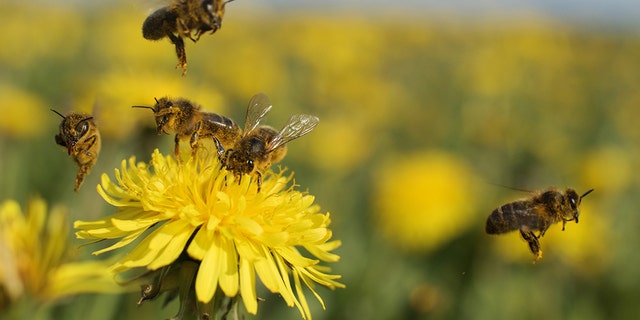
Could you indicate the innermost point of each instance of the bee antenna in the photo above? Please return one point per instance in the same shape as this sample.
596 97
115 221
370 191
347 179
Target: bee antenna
586 193
156 99
144 107
227 1
58 113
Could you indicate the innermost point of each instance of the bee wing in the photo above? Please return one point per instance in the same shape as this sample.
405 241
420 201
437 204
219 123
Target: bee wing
297 126
259 106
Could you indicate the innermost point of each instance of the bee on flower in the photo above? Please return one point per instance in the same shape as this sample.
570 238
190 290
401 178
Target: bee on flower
203 234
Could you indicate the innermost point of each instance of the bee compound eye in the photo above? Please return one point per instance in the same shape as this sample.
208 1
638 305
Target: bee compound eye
82 128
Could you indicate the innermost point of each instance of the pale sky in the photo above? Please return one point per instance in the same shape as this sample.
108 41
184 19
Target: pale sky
625 11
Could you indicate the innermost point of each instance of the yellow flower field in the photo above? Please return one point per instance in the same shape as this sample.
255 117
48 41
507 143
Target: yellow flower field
428 122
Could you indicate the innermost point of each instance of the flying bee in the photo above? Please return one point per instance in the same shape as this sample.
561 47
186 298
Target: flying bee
187 121
80 135
261 146
184 19
537 213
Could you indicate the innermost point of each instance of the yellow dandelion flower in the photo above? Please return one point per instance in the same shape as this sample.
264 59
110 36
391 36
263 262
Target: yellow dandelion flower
26 121
424 200
197 212
35 263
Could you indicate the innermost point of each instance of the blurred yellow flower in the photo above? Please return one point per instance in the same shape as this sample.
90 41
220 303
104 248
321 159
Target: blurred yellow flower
29 44
229 228
424 200
347 154
33 251
24 116
608 169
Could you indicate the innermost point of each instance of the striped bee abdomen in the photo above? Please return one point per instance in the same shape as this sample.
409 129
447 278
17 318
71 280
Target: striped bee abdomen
508 217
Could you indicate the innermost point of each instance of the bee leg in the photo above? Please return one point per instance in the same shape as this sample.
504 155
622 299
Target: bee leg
183 29
198 34
219 147
91 141
259 180
534 243
194 138
180 51
543 231
192 39
176 149
538 256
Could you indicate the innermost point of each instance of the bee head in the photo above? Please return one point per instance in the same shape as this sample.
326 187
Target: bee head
574 202
166 112
239 162
72 129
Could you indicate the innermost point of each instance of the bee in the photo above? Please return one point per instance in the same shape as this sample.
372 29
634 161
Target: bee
188 121
184 19
261 146
80 135
537 213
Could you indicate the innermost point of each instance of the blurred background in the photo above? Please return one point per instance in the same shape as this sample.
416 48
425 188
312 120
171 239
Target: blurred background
431 114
